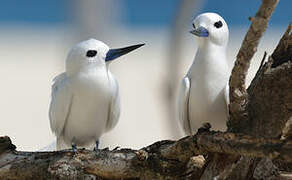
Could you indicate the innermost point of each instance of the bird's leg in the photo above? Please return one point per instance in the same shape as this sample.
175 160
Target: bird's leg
74 147
73 144
96 145
116 148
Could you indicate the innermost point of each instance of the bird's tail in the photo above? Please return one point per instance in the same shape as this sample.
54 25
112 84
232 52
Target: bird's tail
51 147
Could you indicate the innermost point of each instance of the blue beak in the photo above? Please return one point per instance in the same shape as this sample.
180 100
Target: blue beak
200 31
115 53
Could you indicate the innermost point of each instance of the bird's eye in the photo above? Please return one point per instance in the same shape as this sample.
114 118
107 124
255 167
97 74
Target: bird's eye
218 24
91 53
194 26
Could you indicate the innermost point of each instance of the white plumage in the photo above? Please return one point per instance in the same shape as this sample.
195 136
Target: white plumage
85 99
203 95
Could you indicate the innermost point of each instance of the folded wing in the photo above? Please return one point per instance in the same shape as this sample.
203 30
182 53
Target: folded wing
226 97
114 107
183 105
61 100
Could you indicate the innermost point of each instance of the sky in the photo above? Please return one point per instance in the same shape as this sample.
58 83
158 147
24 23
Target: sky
138 13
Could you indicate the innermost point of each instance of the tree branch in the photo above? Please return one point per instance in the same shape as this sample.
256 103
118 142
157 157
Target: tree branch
270 97
237 92
164 159
283 52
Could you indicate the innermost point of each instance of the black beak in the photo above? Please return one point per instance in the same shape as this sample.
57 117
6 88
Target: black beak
115 53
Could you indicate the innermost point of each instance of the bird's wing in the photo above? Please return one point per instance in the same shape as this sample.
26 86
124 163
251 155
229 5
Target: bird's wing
183 105
114 106
61 99
226 97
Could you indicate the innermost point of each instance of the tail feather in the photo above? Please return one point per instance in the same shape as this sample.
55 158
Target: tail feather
50 147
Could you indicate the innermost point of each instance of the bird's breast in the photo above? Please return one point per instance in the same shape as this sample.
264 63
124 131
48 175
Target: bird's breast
208 74
89 110
91 82
92 93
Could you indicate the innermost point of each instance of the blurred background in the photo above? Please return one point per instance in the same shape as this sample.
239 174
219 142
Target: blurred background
35 37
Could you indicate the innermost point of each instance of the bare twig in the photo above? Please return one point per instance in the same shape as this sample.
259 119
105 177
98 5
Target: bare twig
238 94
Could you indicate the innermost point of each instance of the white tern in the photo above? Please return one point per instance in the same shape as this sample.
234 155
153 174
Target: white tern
85 100
204 92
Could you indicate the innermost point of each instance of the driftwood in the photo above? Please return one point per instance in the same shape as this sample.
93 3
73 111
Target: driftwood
257 144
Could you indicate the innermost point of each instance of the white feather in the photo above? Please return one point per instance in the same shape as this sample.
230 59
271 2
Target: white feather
60 103
205 97
183 105
85 99
227 100
114 109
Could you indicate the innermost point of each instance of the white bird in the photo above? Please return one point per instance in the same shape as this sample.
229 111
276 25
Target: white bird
203 95
85 100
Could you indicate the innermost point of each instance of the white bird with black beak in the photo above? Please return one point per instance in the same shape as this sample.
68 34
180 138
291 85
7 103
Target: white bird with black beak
203 95
85 98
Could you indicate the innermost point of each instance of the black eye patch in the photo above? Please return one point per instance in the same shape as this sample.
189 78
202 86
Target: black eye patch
91 53
218 24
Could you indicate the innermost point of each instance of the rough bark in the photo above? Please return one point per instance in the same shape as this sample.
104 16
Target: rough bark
261 111
161 160
275 111
238 94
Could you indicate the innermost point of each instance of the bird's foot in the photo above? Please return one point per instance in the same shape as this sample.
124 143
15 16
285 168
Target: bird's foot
74 148
96 146
116 148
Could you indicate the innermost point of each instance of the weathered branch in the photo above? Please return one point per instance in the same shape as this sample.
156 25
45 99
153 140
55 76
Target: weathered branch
161 160
165 159
238 94
270 97
238 144
250 111
283 52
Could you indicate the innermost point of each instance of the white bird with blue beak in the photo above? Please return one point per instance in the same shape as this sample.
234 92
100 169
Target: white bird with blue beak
85 99
204 93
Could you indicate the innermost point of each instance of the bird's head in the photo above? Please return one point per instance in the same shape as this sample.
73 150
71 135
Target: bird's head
210 28
93 53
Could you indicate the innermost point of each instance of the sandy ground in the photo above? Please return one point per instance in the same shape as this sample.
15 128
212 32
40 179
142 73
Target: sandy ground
30 58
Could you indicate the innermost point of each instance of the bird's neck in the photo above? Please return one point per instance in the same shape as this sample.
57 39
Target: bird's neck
73 68
209 65
208 47
210 51
210 56
91 69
